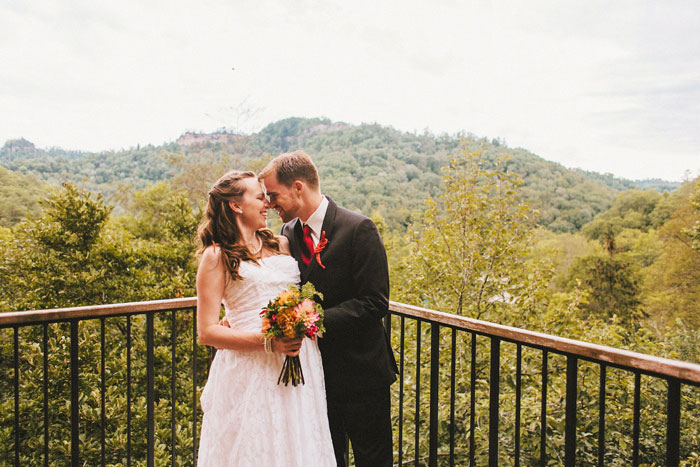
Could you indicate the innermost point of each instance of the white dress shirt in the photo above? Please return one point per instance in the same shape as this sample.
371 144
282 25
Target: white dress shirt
315 220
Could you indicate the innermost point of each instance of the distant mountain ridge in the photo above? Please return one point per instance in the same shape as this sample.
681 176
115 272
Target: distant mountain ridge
369 167
23 149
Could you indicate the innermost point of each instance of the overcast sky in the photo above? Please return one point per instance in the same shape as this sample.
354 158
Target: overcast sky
611 86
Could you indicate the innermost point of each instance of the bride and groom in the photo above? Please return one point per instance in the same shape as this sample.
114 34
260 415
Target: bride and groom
248 418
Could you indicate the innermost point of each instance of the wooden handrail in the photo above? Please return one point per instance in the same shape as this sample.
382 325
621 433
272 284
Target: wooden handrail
688 372
93 311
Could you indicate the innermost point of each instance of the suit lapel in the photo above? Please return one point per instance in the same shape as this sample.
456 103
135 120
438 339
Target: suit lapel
328 225
295 240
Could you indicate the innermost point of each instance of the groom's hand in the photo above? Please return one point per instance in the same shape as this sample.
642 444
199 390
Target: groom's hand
287 346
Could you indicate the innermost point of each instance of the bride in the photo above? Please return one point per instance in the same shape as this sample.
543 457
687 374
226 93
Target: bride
250 420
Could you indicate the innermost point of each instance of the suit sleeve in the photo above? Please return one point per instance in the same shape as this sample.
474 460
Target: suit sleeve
370 281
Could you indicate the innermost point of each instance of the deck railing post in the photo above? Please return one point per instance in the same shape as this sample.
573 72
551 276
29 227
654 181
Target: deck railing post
494 387
601 417
150 427
434 373
673 423
543 410
74 396
570 423
16 392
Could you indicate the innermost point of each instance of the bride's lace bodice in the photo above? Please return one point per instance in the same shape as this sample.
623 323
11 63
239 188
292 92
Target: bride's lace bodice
246 297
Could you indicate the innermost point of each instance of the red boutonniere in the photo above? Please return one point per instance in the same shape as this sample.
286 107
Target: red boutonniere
319 248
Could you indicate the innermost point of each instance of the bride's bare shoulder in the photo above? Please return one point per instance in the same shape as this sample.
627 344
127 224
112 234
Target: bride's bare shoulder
211 256
284 244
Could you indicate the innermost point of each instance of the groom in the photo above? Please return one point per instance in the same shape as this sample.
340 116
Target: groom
341 253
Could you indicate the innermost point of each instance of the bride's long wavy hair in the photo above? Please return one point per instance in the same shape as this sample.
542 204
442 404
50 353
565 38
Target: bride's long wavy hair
219 227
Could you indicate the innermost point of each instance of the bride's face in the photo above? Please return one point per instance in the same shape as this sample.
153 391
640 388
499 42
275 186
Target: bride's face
253 206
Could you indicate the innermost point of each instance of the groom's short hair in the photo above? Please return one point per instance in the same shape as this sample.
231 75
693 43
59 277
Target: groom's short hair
291 166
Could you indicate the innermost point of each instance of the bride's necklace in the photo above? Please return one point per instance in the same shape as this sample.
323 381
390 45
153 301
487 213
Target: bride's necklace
259 249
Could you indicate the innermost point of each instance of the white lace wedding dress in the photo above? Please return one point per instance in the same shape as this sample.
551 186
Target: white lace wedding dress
250 420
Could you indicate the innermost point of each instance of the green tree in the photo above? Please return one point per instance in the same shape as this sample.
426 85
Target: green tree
468 250
611 281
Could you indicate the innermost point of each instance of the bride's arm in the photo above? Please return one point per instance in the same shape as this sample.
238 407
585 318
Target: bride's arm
211 280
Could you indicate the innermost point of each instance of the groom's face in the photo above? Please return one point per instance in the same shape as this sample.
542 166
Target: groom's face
284 199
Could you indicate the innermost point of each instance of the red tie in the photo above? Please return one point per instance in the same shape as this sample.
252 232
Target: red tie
308 247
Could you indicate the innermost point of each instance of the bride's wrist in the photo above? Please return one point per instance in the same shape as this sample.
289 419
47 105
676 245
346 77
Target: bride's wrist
267 344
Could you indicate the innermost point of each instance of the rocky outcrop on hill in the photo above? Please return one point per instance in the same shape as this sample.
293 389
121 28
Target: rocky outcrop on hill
191 138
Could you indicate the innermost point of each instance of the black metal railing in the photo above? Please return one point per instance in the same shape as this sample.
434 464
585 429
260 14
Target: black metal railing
180 313
478 391
441 447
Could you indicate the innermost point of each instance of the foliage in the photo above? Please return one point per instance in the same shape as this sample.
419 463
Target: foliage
468 249
672 281
72 255
612 286
365 167
19 196
632 209
694 231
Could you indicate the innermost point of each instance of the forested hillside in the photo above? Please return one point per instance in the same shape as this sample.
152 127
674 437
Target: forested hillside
370 168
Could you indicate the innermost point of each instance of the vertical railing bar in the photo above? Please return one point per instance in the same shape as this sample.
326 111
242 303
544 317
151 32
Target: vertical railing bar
16 391
416 441
635 419
150 422
673 423
601 417
401 371
453 372
103 411
74 395
387 329
128 390
45 345
434 382
570 417
494 392
194 386
472 403
518 397
543 415
173 386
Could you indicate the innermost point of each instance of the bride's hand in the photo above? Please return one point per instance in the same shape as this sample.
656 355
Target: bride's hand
287 346
223 322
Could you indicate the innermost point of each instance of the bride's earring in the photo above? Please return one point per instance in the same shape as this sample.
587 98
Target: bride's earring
235 208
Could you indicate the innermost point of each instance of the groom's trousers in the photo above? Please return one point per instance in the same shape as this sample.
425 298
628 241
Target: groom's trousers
365 419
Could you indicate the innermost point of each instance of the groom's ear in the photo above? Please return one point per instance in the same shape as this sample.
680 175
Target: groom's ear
298 186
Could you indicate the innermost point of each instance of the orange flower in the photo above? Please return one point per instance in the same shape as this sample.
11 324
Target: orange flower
286 319
288 297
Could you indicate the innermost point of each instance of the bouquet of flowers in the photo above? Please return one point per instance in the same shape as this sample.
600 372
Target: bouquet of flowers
293 314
